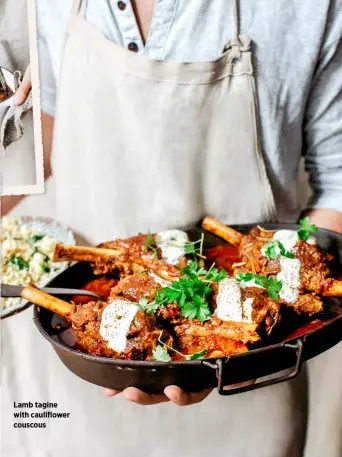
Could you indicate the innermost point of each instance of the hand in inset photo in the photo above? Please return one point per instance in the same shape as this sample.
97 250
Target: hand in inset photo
24 89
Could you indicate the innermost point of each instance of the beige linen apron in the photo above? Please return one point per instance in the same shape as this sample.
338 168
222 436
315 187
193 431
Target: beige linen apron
138 145
143 144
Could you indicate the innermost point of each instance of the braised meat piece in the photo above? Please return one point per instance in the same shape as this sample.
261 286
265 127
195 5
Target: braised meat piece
98 333
314 263
125 257
214 345
135 287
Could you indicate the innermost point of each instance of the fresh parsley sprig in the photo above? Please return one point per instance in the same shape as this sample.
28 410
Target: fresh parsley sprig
306 229
275 248
160 353
191 291
271 284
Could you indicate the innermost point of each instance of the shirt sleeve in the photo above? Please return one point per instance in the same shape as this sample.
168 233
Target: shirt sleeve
323 120
46 76
52 20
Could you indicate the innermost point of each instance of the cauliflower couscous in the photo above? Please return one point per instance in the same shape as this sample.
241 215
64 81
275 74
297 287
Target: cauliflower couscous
26 257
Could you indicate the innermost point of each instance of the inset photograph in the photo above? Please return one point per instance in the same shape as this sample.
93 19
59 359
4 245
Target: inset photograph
21 151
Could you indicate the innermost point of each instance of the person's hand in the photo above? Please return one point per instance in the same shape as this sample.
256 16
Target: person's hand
171 393
24 88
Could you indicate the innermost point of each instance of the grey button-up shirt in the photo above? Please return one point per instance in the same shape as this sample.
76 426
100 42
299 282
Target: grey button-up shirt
298 64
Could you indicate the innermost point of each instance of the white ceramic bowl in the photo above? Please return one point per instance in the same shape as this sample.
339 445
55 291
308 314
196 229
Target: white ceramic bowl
52 228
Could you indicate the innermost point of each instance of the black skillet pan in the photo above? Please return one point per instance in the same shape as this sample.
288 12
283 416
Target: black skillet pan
288 353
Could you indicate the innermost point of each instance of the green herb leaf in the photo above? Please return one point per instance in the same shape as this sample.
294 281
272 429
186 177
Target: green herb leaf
276 248
36 238
196 355
271 284
149 242
306 229
148 308
19 262
196 309
244 277
45 267
284 252
189 248
215 275
274 287
160 354
271 250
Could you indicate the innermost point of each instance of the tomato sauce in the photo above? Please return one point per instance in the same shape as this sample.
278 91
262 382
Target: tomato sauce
223 256
101 286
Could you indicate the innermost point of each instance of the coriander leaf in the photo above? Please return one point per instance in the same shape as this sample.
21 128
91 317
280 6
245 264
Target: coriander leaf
274 287
284 252
189 310
271 250
192 267
197 309
143 302
36 238
196 355
203 313
261 281
215 275
189 248
306 229
170 294
160 354
148 308
244 277
19 262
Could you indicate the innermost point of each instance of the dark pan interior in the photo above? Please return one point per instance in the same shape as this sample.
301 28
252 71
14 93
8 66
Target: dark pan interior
199 374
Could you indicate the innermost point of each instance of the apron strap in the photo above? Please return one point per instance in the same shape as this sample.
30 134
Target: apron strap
79 8
236 20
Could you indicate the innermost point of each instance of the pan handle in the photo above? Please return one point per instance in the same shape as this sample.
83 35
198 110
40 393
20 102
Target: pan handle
220 365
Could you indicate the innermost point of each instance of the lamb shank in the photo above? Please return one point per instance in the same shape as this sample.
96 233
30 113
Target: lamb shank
298 262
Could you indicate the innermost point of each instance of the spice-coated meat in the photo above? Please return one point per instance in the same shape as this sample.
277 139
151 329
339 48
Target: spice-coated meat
142 336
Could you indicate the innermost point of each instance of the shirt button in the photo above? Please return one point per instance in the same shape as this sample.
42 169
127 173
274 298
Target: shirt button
133 47
122 6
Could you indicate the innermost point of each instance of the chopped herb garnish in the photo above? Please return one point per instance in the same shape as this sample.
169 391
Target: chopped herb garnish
149 308
196 355
274 287
191 247
306 229
36 238
276 248
271 284
150 242
19 262
45 267
190 292
150 246
160 354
